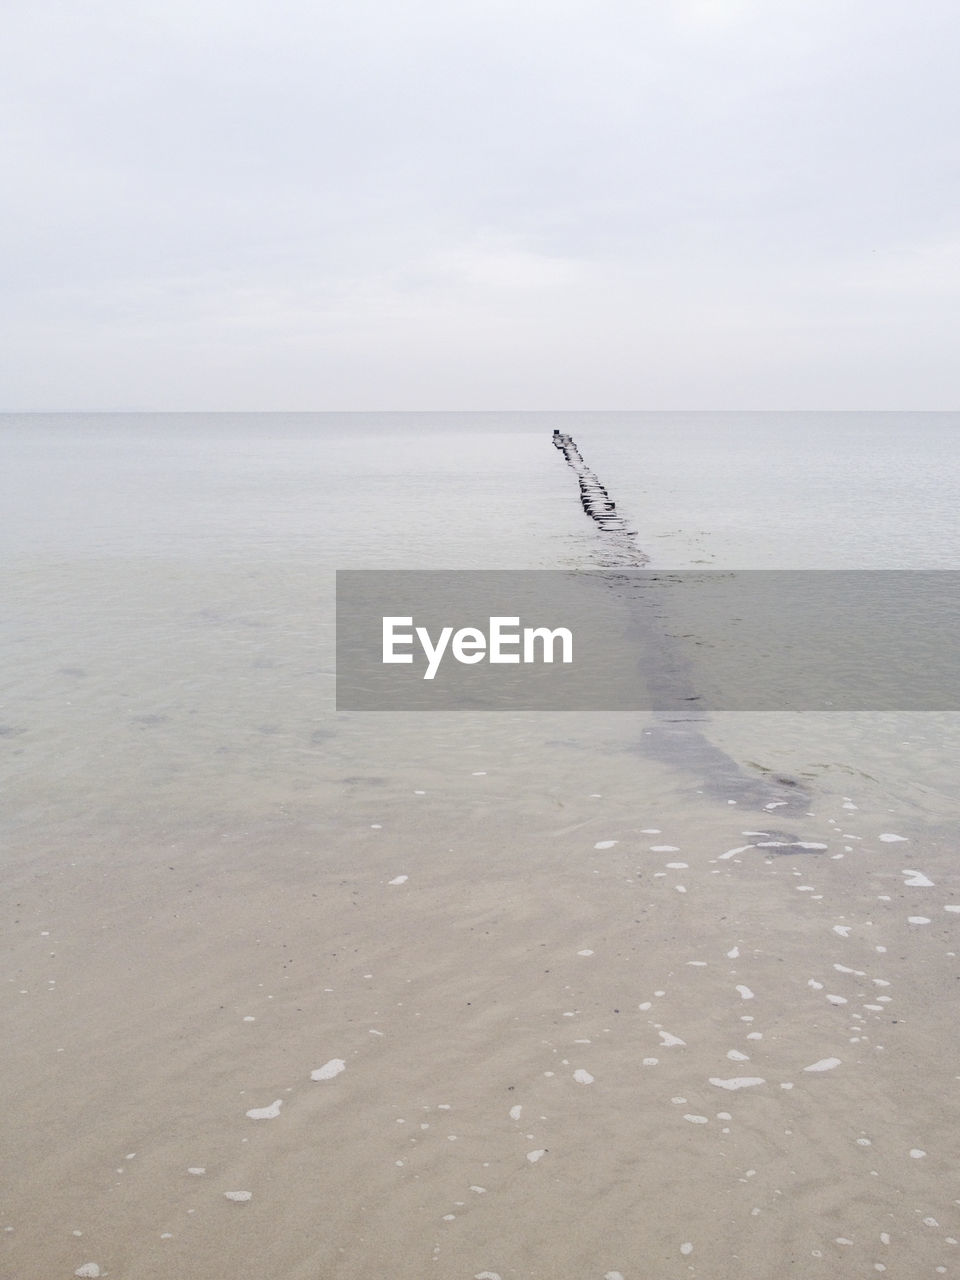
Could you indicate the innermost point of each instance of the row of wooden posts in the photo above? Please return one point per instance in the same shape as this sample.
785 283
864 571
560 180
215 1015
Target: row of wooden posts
594 498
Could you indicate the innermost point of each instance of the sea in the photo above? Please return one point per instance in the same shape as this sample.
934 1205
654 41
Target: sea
171 577
183 803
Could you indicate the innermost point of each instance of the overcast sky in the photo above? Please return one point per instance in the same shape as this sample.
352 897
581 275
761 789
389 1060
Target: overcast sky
486 204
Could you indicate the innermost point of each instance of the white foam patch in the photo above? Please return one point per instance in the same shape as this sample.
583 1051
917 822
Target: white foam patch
586 952
198 1171
837 999
687 1248
664 848
534 1156
486 1275
677 866
88 1269
666 1039
399 880
918 919
650 831
842 930
955 907
745 992
916 879
613 1275
605 844
266 1113
890 837
916 1153
736 1056
825 1064
697 1119
329 1069
240 1197
733 852
582 1077
737 1082
733 953
515 1112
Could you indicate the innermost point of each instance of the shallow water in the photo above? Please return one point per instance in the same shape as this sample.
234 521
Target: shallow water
214 884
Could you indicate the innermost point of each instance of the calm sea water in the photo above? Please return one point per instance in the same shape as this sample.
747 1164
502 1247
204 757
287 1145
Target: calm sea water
168 582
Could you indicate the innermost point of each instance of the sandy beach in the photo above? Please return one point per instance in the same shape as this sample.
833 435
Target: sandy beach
463 1028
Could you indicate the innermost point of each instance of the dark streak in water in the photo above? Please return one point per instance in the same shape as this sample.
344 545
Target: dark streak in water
682 744
676 740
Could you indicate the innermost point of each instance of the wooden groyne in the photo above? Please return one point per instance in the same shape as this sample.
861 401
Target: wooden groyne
594 498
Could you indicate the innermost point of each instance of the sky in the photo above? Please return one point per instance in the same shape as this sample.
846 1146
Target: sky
479 204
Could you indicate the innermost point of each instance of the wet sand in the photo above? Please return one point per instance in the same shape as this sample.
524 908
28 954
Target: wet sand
483 1021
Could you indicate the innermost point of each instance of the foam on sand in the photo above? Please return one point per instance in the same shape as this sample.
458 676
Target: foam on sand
329 1069
732 853
916 879
266 1113
737 1082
